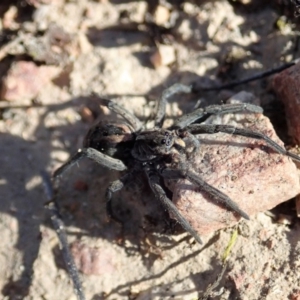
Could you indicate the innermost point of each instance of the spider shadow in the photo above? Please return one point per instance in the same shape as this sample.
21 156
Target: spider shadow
23 196
163 289
22 200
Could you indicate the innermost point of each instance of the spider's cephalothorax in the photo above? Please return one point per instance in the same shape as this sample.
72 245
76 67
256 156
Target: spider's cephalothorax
162 153
117 141
155 145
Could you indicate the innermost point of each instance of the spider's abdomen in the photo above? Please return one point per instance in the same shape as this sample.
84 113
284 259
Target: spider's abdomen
112 139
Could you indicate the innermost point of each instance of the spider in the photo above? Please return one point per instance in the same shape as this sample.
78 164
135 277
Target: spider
161 153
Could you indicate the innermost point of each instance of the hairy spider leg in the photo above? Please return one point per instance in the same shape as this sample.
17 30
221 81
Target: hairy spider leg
211 129
160 194
124 113
217 195
192 117
93 154
59 228
166 94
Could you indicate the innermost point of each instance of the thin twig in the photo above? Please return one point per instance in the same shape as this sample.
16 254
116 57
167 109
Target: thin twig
249 79
4 104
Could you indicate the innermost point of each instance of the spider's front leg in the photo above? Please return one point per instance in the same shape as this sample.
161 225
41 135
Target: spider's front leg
169 92
211 129
160 194
197 114
126 115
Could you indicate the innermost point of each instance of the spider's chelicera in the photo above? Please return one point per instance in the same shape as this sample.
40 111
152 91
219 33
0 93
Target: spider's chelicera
162 153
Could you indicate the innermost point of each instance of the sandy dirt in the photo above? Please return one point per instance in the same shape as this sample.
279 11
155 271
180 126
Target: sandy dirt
54 56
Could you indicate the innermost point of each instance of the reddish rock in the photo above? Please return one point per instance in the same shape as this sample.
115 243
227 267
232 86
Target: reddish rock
286 85
25 79
245 169
93 260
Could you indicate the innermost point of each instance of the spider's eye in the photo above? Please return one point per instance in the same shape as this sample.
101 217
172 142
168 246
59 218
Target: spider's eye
105 133
166 133
166 142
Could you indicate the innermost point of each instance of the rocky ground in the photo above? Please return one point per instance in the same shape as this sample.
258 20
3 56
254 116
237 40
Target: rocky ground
54 56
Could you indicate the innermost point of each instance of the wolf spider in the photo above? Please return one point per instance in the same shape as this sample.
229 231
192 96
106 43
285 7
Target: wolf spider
161 153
